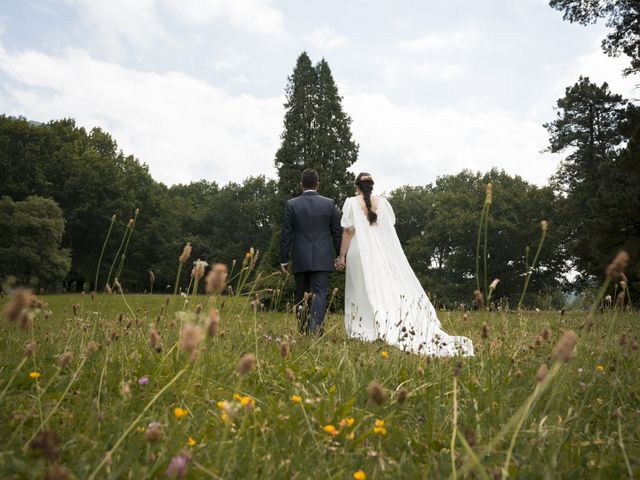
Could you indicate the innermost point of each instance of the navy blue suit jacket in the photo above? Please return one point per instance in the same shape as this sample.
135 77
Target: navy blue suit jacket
311 231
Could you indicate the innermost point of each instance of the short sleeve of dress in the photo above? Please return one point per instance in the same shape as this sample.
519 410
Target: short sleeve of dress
389 211
347 215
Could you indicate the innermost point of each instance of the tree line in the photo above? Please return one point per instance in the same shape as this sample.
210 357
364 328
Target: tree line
61 185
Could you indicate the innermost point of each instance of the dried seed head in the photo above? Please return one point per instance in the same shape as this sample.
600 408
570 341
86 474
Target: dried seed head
30 349
186 253
65 359
377 393
544 225
189 339
46 442
214 323
154 340
542 372
620 300
116 285
420 371
457 368
401 396
199 267
152 277
56 471
494 284
489 193
622 341
285 349
153 433
246 363
16 308
470 437
618 265
635 345
216 279
617 413
546 334
91 348
478 300
485 330
108 289
198 309
290 375
563 350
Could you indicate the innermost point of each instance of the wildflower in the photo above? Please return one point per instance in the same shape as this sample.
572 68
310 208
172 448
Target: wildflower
347 422
542 372
296 398
377 393
34 375
191 442
65 359
290 375
246 363
563 350
143 380
141 429
635 345
285 349
189 339
216 278
177 467
544 225
46 442
457 368
331 430
384 354
180 412
186 253
600 368
214 323
351 435
359 475
618 265
154 341
379 428
401 396
247 402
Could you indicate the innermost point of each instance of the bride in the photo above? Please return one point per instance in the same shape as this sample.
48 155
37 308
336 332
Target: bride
383 297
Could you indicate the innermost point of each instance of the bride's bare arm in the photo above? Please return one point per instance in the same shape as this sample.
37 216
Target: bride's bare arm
347 235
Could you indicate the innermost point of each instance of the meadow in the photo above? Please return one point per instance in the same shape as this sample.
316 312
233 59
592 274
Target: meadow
107 386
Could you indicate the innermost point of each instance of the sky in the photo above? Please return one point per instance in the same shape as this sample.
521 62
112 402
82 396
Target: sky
195 88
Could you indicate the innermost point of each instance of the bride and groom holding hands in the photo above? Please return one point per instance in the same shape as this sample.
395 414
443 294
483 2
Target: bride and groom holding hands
383 297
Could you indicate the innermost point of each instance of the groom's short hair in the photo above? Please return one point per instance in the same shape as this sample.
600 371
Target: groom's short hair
309 178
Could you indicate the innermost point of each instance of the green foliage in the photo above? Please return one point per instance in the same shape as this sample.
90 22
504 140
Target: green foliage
598 179
438 227
623 17
30 242
573 430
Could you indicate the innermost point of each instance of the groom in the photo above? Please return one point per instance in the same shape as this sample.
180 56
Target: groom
311 227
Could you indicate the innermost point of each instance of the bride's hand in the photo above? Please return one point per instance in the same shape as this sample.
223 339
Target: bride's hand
341 263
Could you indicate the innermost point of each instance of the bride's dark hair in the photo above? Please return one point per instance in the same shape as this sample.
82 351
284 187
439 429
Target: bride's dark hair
364 181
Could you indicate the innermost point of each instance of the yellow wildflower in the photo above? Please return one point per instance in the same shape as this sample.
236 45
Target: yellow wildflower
296 398
359 475
141 429
247 401
349 421
380 428
351 436
180 412
600 368
237 396
191 442
379 423
34 375
331 430
221 404
384 354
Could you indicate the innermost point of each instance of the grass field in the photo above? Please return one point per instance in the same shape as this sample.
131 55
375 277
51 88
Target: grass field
309 414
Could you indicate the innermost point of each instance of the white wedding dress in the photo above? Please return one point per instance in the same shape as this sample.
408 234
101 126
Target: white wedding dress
383 297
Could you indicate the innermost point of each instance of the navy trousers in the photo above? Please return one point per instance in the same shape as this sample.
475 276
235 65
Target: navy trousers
311 313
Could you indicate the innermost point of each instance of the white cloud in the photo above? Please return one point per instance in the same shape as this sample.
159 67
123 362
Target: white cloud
441 71
403 144
116 25
325 38
461 41
252 15
601 68
183 128
398 75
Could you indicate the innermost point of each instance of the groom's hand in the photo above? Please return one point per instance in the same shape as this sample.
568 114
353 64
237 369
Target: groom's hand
340 263
284 268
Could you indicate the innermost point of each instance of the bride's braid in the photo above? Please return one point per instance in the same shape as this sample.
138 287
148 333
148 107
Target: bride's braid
364 181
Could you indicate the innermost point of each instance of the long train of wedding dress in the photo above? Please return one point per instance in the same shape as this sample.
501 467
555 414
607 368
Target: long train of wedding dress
383 297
